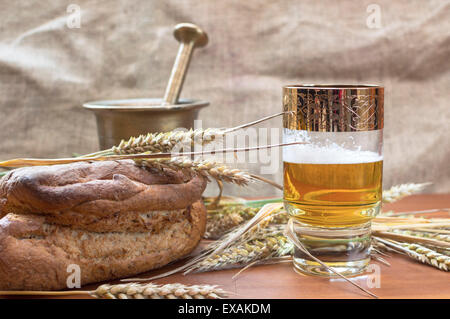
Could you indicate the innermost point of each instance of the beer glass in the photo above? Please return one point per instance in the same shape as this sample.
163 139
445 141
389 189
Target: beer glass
333 183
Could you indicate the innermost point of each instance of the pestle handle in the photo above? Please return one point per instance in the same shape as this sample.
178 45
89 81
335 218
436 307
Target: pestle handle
190 36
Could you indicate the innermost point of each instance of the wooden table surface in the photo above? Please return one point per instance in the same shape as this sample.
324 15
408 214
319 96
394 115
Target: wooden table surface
405 278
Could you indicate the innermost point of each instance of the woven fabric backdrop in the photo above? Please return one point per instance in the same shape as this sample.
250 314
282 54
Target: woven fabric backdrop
126 49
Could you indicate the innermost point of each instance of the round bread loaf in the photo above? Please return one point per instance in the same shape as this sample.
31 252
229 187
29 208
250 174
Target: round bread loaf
112 219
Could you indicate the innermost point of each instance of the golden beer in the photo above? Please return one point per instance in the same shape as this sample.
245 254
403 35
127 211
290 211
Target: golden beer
333 195
332 171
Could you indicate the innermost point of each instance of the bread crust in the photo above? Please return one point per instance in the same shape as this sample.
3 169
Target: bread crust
112 219
84 193
35 255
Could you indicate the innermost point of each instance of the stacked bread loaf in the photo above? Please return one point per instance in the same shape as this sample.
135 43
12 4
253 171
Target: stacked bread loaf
112 219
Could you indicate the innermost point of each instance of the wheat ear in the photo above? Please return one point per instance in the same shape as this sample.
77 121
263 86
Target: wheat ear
219 224
165 142
399 191
152 291
136 291
204 168
423 254
246 253
225 219
23 162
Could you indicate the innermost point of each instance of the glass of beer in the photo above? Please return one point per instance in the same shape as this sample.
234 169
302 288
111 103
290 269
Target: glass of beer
333 182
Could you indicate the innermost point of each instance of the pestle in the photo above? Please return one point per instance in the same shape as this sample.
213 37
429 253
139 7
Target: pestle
190 36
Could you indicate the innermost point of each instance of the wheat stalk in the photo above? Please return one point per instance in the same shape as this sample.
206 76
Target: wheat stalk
165 142
23 162
380 247
440 231
413 239
387 223
420 253
424 234
399 191
205 168
135 291
411 214
272 224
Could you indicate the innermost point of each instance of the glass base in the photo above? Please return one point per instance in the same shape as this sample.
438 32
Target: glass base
346 250
348 269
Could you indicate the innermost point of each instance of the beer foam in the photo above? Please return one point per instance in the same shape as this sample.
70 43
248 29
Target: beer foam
326 152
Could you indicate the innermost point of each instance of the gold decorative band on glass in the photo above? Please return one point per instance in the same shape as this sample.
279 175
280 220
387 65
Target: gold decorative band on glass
333 184
328 108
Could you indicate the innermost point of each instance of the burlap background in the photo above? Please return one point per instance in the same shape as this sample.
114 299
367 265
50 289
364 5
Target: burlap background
126 49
